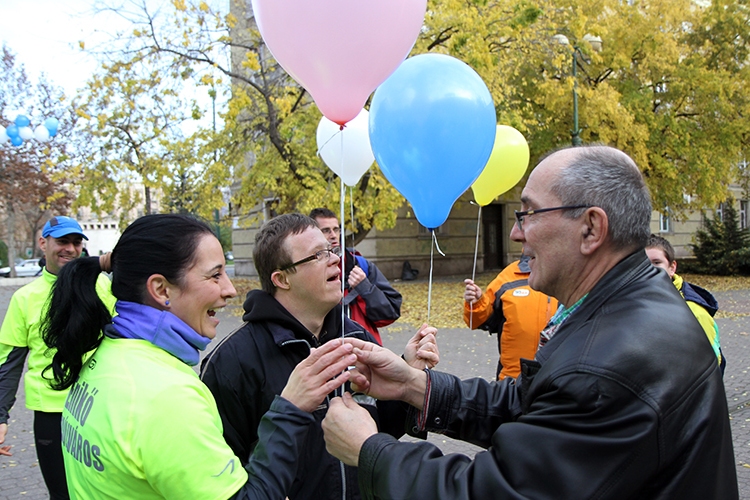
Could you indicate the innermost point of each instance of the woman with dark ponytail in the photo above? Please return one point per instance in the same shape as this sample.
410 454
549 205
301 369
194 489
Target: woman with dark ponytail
138 422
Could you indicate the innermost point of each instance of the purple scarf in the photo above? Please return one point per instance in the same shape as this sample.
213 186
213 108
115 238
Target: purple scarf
161 328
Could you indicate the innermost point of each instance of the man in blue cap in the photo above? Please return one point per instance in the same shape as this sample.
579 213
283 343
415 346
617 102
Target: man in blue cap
61 241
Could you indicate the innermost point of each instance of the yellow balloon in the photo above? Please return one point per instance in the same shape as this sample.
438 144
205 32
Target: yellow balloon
506 166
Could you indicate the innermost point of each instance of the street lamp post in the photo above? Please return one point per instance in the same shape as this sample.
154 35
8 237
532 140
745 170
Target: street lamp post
596 44
575 134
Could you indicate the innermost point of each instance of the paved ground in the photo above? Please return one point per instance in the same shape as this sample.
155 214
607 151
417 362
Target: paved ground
465 353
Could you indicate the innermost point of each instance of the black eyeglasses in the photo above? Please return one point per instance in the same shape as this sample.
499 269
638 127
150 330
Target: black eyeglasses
319 256
329 230
524 213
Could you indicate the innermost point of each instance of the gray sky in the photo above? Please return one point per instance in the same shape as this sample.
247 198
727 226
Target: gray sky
44 35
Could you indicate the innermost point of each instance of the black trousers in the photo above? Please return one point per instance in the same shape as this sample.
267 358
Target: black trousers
48 439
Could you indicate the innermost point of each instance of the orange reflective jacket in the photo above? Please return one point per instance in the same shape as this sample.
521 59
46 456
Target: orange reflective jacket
511 307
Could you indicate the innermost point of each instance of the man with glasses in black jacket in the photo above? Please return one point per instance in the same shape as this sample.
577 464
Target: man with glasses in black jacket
623 399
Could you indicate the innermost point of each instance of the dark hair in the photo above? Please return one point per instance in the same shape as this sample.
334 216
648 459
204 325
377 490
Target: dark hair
270 253
655 241
323 213
154 244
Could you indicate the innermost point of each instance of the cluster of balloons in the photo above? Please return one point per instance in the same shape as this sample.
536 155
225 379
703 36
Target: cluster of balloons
432 123
20 130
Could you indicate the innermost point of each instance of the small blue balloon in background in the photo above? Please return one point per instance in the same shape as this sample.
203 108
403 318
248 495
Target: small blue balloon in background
22 121
16 141
432 128
12 131
51 124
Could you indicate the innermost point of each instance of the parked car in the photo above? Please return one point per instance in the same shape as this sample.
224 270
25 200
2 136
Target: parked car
25 268
229 256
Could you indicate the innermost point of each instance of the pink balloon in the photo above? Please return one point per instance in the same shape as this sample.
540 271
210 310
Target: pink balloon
339 50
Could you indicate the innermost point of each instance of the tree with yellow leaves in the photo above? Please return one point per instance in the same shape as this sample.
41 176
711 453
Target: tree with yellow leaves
134 106
664 80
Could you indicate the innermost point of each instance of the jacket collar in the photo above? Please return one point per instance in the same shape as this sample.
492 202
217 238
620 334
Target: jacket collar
631 267
161 328
523 264
261 307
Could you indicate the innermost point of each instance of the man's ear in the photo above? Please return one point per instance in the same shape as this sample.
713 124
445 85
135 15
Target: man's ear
279 280
42 244
594 230
158 289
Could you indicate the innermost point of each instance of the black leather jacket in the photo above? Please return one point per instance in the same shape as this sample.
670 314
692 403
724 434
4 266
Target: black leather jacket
625 401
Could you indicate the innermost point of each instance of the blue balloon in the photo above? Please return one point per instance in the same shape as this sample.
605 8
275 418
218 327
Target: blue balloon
16 141
22 121
12 131
432 128
51 124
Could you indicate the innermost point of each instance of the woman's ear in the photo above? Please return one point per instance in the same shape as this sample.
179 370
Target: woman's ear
157 290
279 280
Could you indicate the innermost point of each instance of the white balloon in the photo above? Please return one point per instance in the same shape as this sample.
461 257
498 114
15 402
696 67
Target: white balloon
26 133
41 133
3 135
350 159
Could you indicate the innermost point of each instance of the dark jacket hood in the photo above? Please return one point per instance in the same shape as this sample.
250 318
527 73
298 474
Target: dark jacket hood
261 307
700 296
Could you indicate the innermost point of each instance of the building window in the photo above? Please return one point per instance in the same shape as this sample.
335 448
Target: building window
664 223
720 213
743 214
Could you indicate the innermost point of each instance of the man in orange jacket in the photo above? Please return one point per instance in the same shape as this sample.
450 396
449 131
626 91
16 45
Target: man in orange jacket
511 309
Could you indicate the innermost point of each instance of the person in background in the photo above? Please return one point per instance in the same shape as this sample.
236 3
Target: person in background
369 298
42 265
298 308
513 310
623 400
700 301
138 423
61 241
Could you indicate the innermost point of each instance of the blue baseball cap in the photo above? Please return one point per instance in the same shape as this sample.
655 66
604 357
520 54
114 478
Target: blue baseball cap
60 226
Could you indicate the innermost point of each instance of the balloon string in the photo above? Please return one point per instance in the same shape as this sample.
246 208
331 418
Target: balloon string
434 238
351 210
429 287
341 131
474 269
429 282
342 241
